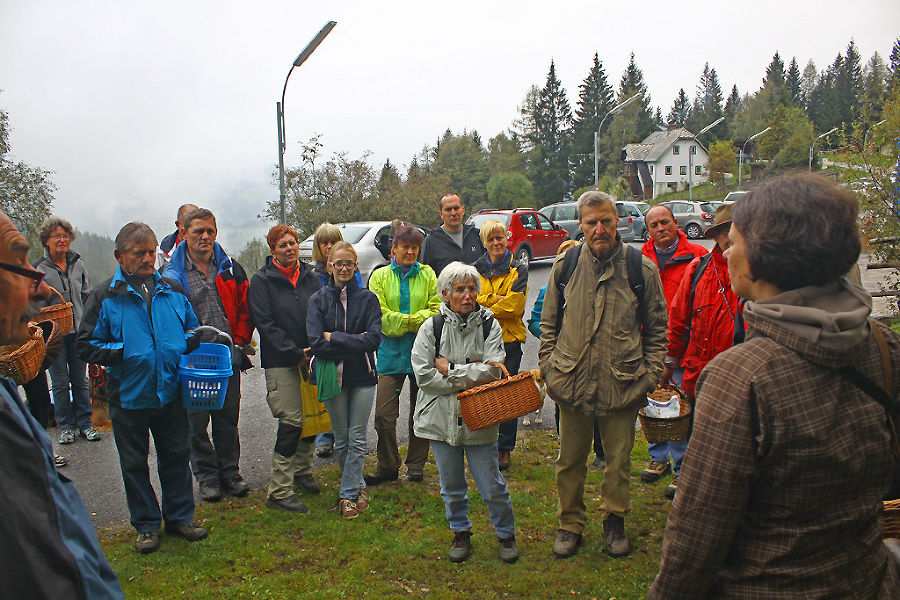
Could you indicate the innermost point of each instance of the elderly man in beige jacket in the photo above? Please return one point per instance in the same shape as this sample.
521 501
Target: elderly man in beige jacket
603 341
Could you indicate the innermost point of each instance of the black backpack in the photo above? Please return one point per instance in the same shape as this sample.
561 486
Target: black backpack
437 324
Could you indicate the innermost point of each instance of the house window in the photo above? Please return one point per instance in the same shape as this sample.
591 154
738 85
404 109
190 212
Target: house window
668 170
675 150
698 170
693 149
683 170
651 169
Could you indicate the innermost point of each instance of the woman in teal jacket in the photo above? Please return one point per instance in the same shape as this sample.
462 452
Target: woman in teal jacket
407 292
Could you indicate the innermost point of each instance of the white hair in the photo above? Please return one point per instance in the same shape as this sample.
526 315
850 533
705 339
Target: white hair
457 272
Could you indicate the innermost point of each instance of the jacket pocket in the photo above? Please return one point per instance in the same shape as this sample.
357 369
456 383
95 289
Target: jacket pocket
629 370
562 360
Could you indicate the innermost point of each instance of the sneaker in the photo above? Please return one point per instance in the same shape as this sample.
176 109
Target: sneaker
348 508
655 470
67 436
379 477
599 462
324 451
60 461
289 504
504 460
90 434
235 486
189 531
414 475
308 484
566 544
461 547
509 552
617 543
362 501
147 542
210 491
670 490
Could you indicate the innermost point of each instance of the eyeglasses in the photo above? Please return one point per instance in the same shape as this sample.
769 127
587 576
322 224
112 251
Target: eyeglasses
60 236
36 276
343 264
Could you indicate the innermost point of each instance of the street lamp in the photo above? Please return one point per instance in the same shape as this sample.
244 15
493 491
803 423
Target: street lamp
814 143
741 157
615 109
866 137
691 156
301 58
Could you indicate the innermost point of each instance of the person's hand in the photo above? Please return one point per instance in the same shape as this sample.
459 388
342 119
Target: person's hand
327 336
442 365
193 343
666 381
248 349
304 362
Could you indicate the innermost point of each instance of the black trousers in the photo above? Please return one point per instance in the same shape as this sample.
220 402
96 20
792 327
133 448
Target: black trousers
506 436
217 459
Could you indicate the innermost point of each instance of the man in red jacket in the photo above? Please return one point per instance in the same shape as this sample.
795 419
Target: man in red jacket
670 249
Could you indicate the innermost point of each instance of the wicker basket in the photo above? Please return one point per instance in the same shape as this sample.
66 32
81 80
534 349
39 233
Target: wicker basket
60 313
890 519
22 362
499 401
658 429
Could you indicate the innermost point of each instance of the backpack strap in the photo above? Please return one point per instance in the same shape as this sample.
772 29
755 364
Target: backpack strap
633 259
437 324
695 279
570 261
486 328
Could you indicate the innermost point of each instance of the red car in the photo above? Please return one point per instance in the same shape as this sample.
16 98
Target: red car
530 235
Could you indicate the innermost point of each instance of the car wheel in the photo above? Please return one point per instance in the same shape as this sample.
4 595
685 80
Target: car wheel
580 237
523 256
693 231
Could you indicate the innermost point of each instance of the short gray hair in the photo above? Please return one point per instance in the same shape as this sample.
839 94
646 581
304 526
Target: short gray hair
595 198
133 233
457 272
50 225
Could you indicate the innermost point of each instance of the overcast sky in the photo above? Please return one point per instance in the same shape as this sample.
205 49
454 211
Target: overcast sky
140 107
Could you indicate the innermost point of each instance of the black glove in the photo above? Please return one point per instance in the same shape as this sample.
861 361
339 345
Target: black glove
193 343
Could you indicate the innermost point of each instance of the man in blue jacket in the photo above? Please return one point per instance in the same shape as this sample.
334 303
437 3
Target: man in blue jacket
50 548
137 325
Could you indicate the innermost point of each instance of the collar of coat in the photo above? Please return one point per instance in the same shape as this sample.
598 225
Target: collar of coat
398 270
177 265
71 257
483 265
472 320
119 285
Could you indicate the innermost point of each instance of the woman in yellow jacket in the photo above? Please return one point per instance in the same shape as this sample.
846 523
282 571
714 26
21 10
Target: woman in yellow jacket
504 286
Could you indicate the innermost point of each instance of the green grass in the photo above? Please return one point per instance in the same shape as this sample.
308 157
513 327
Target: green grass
397 549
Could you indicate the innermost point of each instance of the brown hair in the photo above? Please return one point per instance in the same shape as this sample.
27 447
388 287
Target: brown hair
49 226
279 231
198 213
407 234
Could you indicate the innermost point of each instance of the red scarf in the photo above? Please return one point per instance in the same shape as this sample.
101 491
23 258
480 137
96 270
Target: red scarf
292 273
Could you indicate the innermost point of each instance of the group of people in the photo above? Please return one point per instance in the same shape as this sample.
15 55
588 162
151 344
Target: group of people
777 493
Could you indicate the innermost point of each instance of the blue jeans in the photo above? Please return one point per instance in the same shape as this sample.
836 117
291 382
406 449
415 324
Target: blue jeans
69 370
349 412
484 465
660 452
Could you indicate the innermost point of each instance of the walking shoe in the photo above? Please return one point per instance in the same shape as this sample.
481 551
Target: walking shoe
324 451
90 434
504 460
348 508
461 547
509 552
147 542
655 470
670 490
379 477
210 491
617 543
60 461
566 544
67 436
189 531
289 504
308 484
362 501
235 486
414 475
599 462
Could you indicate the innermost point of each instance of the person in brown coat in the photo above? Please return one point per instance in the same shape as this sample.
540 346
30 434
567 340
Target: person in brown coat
781 488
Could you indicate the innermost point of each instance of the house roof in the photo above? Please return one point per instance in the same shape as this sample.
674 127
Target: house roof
655 145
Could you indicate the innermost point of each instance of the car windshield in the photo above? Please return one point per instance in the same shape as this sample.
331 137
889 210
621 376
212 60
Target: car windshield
708 207
479 219
353 233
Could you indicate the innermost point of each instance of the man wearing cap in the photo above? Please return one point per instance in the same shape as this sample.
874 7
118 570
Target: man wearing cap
701 315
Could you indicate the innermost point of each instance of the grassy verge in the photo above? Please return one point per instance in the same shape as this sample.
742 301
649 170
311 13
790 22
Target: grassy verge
397 549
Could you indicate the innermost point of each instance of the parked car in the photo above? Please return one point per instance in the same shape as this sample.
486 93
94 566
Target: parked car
631 219
371 240
733 196
530 234
693 217
634 216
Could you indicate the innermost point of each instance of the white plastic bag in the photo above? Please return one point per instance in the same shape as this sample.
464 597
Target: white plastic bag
668 409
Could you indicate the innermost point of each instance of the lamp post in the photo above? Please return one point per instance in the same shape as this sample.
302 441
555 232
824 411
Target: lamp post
741 157
691 156
866 137
814 144
615 109
279 113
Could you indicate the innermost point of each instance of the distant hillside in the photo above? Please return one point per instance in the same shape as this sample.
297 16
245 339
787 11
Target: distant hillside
97 253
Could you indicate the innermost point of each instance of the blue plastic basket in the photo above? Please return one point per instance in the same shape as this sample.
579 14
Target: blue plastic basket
204 375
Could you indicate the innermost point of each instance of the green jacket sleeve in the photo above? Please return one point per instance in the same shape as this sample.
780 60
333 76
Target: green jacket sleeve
393 322
433 302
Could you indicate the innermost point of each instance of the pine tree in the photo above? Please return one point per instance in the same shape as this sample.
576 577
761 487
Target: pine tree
875 78
631 83
658 118
553 122
732 104
774 83
389 182
681 110
894 63
707 103
793 83
595 99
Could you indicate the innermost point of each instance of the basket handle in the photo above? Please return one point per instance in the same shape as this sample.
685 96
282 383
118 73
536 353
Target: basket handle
212 329
502 367
55 291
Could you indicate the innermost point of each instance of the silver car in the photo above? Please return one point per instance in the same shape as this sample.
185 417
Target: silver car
694 218
631 219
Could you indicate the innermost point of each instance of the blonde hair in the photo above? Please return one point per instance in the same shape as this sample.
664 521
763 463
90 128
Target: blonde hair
326 232
489 227
342 245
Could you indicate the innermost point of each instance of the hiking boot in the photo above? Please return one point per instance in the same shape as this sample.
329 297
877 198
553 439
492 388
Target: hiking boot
362 501
235 486
147 542
670 490
308 484
655 470
599 462
90 434
509 552
504 460
289 504
348 508
566 544
189 531
210 491
379 477
461 547
67 436
324 451
414 475
617 543
60 461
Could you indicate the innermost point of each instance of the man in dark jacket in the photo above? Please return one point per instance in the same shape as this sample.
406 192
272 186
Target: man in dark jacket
217 288
453 240
50 549
168 243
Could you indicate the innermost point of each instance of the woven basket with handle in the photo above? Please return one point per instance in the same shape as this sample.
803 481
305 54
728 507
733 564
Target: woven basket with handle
60 313
21 362
890 519
658 429
499 401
